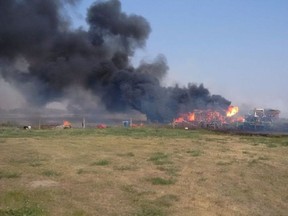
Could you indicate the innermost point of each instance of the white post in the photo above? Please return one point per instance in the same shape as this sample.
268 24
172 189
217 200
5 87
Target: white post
83 123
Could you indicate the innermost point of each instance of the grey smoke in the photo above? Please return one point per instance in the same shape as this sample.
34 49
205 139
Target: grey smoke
96 60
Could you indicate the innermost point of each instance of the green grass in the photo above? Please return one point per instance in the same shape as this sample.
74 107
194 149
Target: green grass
157 207
79 213
284 143
51 173
150 210
160 158
35 164
33 159
161 181
131 132
271 141
9 174
125 167
19 203
271 145
146 206
100 163
23 211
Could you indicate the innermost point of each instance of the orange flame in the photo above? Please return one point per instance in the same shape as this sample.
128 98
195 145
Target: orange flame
240 119
179 120
191 116
232 110
210 116
66 124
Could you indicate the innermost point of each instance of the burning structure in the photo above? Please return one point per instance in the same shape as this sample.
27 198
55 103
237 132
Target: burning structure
56 60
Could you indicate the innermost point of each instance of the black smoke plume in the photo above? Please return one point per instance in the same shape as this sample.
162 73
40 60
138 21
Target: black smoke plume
97 59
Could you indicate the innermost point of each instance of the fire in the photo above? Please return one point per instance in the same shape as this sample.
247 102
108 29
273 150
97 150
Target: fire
240 119
209 116
232 110
67 124
179 120
200 116
185 117
191 116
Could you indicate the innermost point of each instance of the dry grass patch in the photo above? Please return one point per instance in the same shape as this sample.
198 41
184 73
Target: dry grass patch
128 154
160 158
9 174
195 153
51 173
141 172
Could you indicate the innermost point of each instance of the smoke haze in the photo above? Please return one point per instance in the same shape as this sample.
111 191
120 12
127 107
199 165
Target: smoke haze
47 61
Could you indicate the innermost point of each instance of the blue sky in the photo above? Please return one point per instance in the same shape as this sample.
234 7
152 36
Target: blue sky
236 48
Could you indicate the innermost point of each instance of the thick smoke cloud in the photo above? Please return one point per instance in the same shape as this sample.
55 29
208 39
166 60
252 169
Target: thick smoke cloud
96 60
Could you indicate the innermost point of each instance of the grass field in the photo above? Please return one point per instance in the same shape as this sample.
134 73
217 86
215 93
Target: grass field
141 172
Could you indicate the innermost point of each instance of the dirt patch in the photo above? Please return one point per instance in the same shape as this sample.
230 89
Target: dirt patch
43 183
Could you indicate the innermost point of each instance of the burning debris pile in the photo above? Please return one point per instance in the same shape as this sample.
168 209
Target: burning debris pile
257 119
55 60
65 125
210 118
